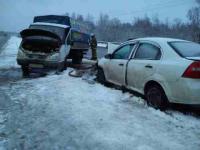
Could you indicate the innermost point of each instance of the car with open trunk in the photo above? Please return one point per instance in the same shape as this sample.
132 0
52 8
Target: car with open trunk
51 40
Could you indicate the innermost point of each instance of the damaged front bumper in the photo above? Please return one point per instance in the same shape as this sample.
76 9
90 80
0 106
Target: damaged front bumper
46 64
40 66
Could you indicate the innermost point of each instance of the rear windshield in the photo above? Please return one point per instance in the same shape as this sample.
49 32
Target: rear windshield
186 49
61 32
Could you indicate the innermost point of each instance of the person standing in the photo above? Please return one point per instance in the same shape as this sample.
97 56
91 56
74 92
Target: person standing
93 46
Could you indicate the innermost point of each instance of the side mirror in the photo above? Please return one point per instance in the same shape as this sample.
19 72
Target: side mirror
108 56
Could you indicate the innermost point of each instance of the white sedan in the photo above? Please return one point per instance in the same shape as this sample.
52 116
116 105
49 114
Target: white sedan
163 69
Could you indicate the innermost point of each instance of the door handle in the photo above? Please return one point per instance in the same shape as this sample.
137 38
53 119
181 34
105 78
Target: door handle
148 66
121 64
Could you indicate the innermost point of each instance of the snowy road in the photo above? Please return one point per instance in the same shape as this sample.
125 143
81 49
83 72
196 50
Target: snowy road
60 112
3 40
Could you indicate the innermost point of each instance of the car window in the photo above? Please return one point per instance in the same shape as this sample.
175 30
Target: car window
123 52
186 49
148 51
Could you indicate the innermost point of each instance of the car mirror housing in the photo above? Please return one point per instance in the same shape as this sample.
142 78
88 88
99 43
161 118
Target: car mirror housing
108 56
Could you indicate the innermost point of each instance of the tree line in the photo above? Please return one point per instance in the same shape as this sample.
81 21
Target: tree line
112 29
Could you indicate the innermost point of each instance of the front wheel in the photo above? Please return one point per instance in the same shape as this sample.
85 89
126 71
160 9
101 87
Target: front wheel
156 97
100 76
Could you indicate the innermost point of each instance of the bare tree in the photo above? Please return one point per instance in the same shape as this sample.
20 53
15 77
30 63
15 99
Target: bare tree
112 29
194 17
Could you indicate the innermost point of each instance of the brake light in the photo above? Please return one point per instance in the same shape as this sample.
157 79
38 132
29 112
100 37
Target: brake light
193 71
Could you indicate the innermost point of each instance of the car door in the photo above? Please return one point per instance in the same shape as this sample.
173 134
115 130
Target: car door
142 65
116 68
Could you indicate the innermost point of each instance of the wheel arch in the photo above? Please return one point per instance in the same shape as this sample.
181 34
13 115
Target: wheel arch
101 66
152 82
162 103
99 75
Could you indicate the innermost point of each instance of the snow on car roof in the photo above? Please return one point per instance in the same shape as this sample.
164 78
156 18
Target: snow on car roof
50 24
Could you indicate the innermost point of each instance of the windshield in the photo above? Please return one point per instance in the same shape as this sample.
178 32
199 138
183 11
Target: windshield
57 30
186 49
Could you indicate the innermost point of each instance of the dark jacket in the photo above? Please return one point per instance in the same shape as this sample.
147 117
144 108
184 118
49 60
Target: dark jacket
93 43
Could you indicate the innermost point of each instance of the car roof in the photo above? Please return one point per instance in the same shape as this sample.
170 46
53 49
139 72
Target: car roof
158 40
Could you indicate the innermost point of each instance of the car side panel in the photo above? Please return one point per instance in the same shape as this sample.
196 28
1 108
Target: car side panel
186 91
116 71
138 72
103 63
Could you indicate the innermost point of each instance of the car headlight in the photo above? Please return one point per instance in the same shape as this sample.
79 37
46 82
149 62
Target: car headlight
21 54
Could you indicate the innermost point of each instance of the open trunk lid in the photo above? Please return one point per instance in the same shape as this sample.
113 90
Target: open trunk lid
38 40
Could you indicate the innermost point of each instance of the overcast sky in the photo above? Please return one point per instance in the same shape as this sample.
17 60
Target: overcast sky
18 14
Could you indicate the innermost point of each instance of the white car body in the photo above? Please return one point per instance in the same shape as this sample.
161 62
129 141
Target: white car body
135 74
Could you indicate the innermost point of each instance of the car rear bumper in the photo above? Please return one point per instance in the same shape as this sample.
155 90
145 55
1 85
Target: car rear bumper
186 91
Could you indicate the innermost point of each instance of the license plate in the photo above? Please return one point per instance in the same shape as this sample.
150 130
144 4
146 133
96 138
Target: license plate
36 66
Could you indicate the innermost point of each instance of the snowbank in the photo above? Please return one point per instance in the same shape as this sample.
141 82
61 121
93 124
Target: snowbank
9 53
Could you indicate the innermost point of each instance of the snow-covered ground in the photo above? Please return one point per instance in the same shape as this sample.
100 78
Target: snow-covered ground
60 112
8 68
8 54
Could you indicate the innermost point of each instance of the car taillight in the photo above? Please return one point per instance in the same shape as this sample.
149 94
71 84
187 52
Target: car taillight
193 71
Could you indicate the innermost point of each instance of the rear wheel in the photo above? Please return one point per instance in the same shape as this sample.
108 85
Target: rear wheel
156 97
25 71
100 76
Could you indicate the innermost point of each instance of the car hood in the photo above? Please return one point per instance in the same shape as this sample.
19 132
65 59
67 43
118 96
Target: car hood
38 32
37 40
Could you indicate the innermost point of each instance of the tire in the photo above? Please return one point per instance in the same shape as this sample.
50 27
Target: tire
156 97
100 76
25 71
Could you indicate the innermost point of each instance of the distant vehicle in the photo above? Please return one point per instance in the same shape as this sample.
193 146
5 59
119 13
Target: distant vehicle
50 41
163 69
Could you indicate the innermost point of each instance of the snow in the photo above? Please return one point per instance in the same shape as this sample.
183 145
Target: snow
8 55
2 126
112 47
102 44
62 112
